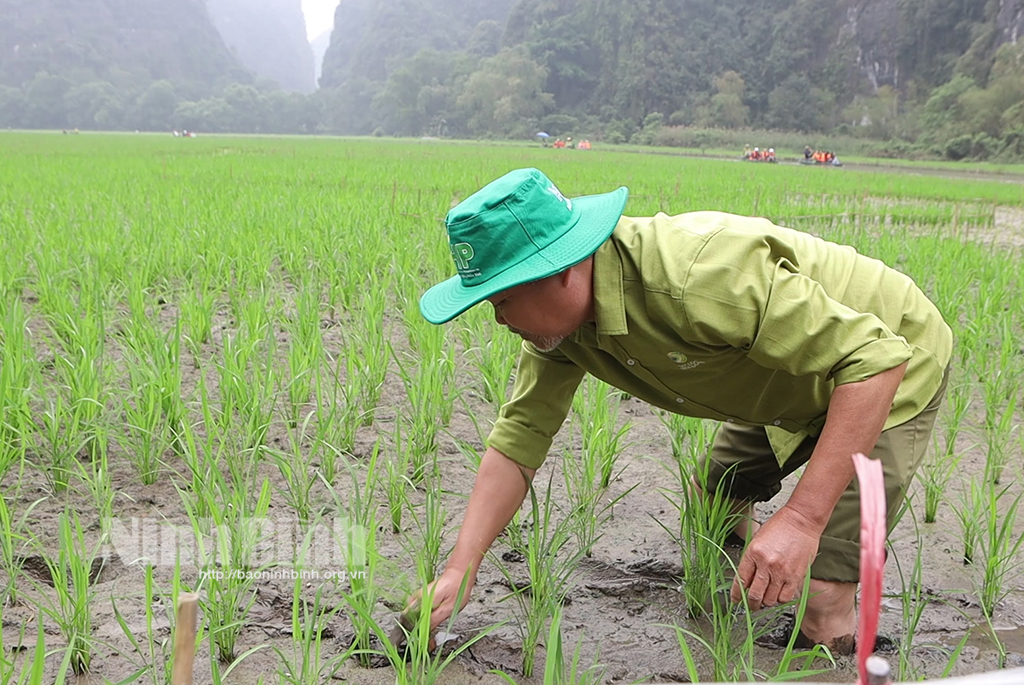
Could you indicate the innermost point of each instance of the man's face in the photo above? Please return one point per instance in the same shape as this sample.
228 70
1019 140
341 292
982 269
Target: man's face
542 312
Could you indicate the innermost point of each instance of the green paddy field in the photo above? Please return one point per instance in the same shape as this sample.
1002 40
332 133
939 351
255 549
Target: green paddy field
214 378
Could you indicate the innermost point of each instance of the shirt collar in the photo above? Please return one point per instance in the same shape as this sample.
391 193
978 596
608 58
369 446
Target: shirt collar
609 297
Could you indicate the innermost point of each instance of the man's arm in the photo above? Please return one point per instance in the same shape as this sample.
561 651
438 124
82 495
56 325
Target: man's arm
526 425
501 485
856 414
776 561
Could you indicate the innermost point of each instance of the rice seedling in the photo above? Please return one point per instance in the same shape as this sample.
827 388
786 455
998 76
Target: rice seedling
305 662
248 384
556 670
550 572
706 515
71 610
429 521
305 350
358 547
297 466
33 670
936 471
197 305
398 483
18 369
14 537
59 444
95 477
82 373
155 654
411 656
589 507
913 602
939 468
493 354
734 658
226 554
969 512
147 435
202 456
999 544
1000 376
368 344
998 438
338 414
428 389
596 405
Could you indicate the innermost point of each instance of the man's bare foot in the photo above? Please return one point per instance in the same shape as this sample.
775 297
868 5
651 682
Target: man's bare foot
831 615
746 526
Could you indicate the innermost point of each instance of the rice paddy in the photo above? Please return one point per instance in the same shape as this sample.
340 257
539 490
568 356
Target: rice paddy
214 378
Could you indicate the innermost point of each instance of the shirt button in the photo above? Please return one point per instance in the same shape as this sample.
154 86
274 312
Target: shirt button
730 420
776 422
680 400
631 361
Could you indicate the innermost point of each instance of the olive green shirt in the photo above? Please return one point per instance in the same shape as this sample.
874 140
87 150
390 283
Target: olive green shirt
735 319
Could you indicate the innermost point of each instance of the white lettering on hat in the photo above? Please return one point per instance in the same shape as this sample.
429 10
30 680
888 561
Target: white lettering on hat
462 253
561 198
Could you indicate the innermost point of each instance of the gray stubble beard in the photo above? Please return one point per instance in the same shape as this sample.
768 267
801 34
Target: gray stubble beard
542 343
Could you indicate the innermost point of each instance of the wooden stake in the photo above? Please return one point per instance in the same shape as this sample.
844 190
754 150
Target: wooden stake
184 639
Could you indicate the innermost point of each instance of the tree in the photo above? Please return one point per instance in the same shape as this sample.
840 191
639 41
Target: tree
874 116
13 107
485 40
797 105
154 110
727 108
943 109
212 115
247 109
506 95
45 99
93 105
421 92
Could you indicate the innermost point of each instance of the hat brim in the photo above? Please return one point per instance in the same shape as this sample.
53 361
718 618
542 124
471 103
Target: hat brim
598 216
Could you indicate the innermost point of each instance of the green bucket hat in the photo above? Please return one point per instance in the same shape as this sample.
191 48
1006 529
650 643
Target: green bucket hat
514 230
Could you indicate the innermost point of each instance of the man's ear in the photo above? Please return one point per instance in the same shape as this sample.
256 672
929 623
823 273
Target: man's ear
565 276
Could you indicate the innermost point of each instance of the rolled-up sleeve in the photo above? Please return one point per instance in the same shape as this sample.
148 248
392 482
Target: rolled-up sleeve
741 293
541 398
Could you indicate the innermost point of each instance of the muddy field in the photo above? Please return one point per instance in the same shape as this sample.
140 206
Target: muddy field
624 598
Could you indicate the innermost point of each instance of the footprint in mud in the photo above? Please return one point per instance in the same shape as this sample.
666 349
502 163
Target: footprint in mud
103 569
779 636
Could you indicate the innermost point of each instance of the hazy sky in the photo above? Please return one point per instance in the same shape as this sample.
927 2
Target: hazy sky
319 16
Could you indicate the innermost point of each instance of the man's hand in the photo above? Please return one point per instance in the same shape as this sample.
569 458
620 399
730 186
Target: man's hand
775 562
501 485
446 593
446 601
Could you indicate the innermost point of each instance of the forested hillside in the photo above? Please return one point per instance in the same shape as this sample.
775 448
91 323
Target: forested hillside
269 38
935 77
90 62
